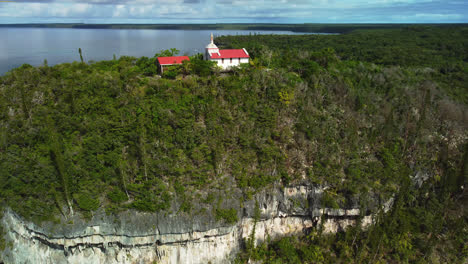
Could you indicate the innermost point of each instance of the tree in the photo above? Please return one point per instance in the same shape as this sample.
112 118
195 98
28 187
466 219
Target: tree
81 55
147 66
167 53
57 158
201 67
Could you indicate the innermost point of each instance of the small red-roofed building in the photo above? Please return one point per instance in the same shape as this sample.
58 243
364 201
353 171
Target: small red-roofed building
168 61
226 58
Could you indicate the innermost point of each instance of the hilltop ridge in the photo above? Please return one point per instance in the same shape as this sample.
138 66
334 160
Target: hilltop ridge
350 113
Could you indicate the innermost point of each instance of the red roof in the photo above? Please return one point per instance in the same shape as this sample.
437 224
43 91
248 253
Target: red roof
172 60
230 53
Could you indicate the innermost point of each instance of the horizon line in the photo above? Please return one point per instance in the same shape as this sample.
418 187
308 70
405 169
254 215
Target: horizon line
243 23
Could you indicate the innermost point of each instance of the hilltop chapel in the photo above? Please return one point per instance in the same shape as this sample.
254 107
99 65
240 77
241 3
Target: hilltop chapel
225 58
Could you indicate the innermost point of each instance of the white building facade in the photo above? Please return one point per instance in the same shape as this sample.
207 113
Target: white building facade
226 58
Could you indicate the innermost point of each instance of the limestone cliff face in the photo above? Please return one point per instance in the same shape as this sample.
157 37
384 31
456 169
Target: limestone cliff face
135 237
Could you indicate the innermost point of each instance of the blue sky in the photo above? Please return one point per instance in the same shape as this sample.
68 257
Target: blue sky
234 11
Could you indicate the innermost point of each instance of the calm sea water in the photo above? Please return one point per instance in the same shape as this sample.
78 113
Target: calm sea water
34 45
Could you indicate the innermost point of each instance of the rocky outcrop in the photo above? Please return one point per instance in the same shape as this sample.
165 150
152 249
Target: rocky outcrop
136 237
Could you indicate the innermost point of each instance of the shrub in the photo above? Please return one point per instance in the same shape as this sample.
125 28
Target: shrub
86 202
228 215
286 250
328 201
117 196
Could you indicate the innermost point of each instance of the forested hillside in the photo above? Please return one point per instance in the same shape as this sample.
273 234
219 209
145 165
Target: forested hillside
360 113
412 66
442 51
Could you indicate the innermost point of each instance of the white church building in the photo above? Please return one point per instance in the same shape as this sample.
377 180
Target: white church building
225 58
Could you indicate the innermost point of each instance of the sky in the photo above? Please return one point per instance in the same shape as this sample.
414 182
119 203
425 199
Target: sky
233 11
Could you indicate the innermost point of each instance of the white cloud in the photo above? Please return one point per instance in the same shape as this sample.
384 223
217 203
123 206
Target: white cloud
427 18
186 11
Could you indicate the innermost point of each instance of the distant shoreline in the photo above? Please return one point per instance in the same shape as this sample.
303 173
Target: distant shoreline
306 28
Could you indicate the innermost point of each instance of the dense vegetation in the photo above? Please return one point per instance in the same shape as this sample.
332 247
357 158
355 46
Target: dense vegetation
338 110
441 51
426 224
318 28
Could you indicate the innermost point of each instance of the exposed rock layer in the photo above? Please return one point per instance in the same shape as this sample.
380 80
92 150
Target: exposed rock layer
135 237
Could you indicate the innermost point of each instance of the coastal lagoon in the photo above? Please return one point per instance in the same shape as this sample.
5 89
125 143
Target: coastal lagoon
60 45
